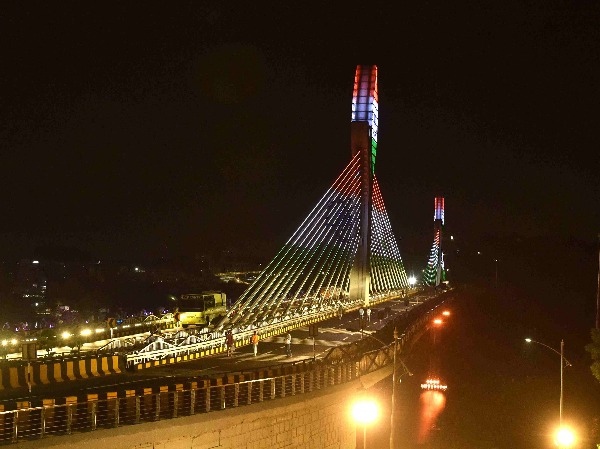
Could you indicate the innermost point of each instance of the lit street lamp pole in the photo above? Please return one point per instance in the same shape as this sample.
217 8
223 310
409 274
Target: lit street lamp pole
392 417
598 291
496 262
395 377
365 411
563 360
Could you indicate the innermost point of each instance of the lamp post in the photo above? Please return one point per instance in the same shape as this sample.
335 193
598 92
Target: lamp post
598 291
395 377
563 360
496 263
392 416
365 411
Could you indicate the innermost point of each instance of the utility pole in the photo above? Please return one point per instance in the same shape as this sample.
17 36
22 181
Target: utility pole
562 364
598 291
394 379
496 262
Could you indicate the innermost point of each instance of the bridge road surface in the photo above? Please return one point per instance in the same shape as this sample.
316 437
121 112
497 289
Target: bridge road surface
271 352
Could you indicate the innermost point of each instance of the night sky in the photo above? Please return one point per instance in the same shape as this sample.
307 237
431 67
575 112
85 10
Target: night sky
136 130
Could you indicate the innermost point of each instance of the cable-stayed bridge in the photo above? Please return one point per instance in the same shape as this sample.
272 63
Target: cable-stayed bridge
343 256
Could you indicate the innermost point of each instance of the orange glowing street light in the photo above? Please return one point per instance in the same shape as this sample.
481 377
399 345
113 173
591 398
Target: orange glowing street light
365 411
563 363
446 313
437 321
564 438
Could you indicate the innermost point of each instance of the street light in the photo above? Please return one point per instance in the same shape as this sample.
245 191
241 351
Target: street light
563 362
365 411
395 378
564 437
496 263
412 281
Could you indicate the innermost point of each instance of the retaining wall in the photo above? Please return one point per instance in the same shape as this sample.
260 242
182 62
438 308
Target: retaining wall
315 420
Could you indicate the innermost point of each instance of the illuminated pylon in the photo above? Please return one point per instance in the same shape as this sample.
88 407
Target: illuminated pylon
344 252
363 144
435 273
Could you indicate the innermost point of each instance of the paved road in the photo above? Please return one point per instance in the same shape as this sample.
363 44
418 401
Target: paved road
271 352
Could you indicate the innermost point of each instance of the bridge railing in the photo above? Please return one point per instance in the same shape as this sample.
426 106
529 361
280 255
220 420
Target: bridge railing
217 338
76 417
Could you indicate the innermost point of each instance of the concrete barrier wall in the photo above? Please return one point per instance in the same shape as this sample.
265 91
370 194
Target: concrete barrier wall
52 371
317 420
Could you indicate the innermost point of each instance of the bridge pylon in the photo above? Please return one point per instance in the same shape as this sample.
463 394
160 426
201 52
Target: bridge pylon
344 254
363 143
435 272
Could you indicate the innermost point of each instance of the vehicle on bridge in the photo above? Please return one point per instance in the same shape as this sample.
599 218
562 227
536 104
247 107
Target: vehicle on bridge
201 309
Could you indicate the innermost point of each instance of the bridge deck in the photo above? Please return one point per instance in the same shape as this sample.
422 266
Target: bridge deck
271 352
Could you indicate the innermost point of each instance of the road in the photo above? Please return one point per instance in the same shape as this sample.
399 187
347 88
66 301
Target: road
271 352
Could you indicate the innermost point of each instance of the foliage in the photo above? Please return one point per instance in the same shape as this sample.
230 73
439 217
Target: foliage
594 349
47 339
76 340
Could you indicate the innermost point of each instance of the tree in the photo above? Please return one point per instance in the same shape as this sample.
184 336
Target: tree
47 339
594 349
76 339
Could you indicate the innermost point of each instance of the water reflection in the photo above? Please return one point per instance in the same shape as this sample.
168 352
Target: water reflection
432 403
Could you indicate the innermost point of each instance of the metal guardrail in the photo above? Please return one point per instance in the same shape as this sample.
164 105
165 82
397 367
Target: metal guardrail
38 422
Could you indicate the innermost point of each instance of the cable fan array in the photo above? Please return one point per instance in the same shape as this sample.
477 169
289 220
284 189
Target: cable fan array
431 271
311 273
387 270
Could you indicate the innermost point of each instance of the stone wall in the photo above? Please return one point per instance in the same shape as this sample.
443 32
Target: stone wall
317 420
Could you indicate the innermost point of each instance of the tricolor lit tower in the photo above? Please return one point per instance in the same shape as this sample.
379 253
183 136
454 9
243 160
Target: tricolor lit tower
435 273
344 253
363 144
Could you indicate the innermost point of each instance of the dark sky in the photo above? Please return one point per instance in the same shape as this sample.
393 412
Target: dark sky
143 129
